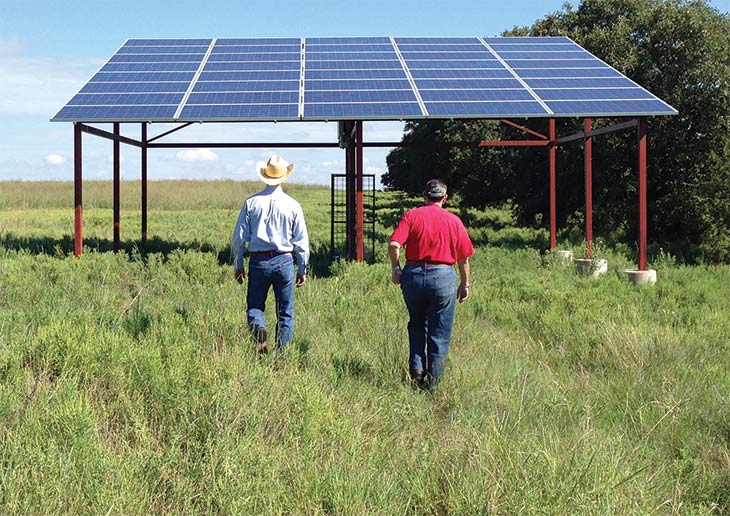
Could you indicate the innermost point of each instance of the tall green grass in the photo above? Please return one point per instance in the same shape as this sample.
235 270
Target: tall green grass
128 383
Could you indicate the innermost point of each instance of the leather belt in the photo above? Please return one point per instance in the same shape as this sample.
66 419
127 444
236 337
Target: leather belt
269 254
424 263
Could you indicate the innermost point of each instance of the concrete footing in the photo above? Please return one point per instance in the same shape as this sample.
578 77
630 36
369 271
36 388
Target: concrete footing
592 267
565 258
647 277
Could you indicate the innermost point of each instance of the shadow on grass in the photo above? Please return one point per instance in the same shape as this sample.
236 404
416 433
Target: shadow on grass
320 259
353 367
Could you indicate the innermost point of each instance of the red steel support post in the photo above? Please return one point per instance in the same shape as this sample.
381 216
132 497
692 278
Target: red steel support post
115 167
641 136
359 216
350 194
78 180
553 216
144 182
588 166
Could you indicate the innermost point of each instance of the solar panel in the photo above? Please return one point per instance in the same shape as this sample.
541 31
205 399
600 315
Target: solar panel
359 78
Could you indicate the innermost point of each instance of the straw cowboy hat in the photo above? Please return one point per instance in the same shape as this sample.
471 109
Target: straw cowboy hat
275 171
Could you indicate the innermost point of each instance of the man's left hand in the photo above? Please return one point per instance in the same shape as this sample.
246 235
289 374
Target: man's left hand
462 293
301 280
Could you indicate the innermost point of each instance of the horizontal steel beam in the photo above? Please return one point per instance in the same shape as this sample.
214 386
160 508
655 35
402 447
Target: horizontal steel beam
484 143
595 132
219 145
109 136
305 145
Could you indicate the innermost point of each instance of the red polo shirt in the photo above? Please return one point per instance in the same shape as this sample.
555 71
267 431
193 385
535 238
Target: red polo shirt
432 234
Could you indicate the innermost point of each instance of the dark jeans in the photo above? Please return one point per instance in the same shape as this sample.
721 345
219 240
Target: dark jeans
430 296
265 272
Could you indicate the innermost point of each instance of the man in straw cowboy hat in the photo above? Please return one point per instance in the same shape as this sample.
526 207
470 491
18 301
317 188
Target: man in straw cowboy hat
272 225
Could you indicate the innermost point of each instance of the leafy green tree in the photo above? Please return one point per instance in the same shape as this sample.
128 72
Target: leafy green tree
678 50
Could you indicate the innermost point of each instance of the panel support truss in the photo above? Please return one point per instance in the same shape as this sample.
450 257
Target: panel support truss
355 215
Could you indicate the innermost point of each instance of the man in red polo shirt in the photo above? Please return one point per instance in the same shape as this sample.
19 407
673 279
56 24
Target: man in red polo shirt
435 240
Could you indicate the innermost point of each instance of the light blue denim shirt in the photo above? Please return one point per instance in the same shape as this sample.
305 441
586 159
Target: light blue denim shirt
271 221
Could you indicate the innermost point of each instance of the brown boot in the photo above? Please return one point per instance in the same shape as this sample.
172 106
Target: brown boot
417 377
260 335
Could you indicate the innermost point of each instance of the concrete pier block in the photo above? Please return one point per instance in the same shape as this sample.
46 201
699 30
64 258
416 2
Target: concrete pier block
564 257
647 277
593 267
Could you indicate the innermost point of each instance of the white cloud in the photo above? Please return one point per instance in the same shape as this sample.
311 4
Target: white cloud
10 46
55 160
39 85
197 155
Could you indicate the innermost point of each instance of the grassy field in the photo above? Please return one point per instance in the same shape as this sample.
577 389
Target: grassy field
128 382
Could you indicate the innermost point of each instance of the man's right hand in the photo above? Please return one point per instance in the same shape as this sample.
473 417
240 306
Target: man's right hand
240 275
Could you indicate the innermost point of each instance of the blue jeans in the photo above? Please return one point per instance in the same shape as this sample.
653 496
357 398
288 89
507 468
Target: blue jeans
430 296
265 272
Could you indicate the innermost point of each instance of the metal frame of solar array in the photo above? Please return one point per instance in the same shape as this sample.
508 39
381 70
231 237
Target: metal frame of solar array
373 78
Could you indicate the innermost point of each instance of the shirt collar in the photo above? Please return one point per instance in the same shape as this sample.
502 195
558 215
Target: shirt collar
271 190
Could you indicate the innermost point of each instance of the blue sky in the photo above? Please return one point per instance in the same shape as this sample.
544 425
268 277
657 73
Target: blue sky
50 48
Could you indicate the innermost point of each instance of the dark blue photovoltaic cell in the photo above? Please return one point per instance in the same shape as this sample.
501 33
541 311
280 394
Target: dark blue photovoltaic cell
531 40
608 107
460 84
566 72
135 87
485 109
420 56
256 49
602 94
439 41
467 47
561 47
365 111
355 74
478 64
254 58
359 96
340 41
125 99
143 76
361 85
355 78
202 49
502 73
117 113
241 112
252 65
246 86
167 42
157 58
345 56
381 47
546 55
151 67
604 82
257 41
468 95
353 65
271 75
254 97
519 64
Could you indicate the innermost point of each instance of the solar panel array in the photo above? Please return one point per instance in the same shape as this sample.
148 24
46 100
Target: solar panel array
372 78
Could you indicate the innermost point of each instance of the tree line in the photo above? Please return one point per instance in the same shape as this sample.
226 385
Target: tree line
680 51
